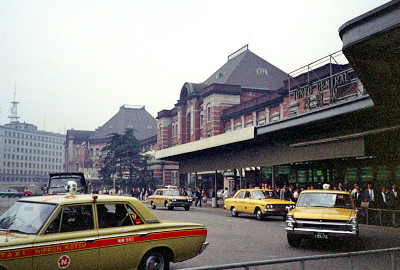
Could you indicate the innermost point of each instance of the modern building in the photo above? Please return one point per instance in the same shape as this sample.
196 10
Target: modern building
28 155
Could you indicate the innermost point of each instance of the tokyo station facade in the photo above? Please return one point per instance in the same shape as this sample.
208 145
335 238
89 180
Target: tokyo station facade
251 124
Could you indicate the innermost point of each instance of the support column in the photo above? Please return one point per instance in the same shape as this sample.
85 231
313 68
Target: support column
273 177
214 199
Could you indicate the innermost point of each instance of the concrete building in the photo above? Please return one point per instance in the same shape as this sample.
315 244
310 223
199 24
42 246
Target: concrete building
28 155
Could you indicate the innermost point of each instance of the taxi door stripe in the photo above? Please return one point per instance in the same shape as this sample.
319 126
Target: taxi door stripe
47 249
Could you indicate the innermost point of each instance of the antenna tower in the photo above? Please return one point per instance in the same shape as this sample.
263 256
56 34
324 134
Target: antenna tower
14 114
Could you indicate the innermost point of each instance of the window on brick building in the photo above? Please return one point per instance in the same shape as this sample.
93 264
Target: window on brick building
209 113
201 119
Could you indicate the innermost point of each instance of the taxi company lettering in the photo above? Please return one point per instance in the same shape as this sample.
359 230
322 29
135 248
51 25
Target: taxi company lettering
12 254
60 248
325 84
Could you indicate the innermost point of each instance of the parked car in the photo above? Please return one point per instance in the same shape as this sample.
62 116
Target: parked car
169 198
27 192
93 232
260 202
322 214
57 182
9 192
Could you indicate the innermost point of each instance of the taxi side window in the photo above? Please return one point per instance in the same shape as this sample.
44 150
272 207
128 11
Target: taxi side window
247 195
240 195
72 218
115 215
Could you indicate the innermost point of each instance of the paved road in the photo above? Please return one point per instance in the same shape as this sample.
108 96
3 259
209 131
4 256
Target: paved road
234 240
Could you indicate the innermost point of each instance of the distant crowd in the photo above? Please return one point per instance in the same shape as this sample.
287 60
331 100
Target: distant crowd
384 198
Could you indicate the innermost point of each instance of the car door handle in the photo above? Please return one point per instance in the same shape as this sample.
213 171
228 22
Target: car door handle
90 240
143 234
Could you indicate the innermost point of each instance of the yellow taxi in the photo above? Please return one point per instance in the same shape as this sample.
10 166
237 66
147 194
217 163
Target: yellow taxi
170 198
261 202
322 214
93 232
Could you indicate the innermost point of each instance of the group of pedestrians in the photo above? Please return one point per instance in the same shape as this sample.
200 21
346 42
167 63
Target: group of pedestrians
200 197
385 198
141 193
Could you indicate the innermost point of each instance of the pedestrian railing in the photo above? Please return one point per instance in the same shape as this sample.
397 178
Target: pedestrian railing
379 217
351 257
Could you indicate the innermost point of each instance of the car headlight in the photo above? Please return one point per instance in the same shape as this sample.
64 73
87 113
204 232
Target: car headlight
189 200
269 206
354 224
174 200
290 221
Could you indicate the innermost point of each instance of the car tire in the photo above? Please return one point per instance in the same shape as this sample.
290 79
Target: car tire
294 240
154 260
234 213
153 205
259 214
187 208
168 206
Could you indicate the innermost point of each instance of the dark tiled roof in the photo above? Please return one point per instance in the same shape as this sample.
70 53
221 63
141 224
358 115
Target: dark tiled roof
249 70
137 118
79 136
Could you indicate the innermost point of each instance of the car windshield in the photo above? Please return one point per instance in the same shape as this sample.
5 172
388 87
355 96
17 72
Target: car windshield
171 192
263 194
26 217
332 200
61 182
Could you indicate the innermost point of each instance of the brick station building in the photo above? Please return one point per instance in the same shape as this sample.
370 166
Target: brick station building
250 123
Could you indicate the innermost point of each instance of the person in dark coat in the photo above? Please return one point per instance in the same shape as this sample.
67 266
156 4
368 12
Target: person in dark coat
198 195
358 197
370 196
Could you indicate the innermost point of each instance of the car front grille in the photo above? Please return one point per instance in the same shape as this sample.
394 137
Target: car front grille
320 224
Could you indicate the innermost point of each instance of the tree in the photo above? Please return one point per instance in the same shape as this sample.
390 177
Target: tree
124 156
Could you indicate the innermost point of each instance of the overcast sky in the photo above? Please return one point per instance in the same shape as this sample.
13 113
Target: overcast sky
75 63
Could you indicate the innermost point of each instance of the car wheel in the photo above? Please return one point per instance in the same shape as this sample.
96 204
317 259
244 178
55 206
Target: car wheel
259 214
153 205
154 260
294 240
168 206
234 212
187 208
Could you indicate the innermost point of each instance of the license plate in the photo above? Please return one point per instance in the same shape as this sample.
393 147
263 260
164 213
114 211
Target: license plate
321 235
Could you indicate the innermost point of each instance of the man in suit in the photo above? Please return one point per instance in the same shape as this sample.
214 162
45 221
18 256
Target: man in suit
358 197
282 192
395 196
370 196
382 199
340 187
289 193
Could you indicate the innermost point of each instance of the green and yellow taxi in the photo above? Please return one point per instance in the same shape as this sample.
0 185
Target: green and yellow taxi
170 198
261 202
322 214
93 232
